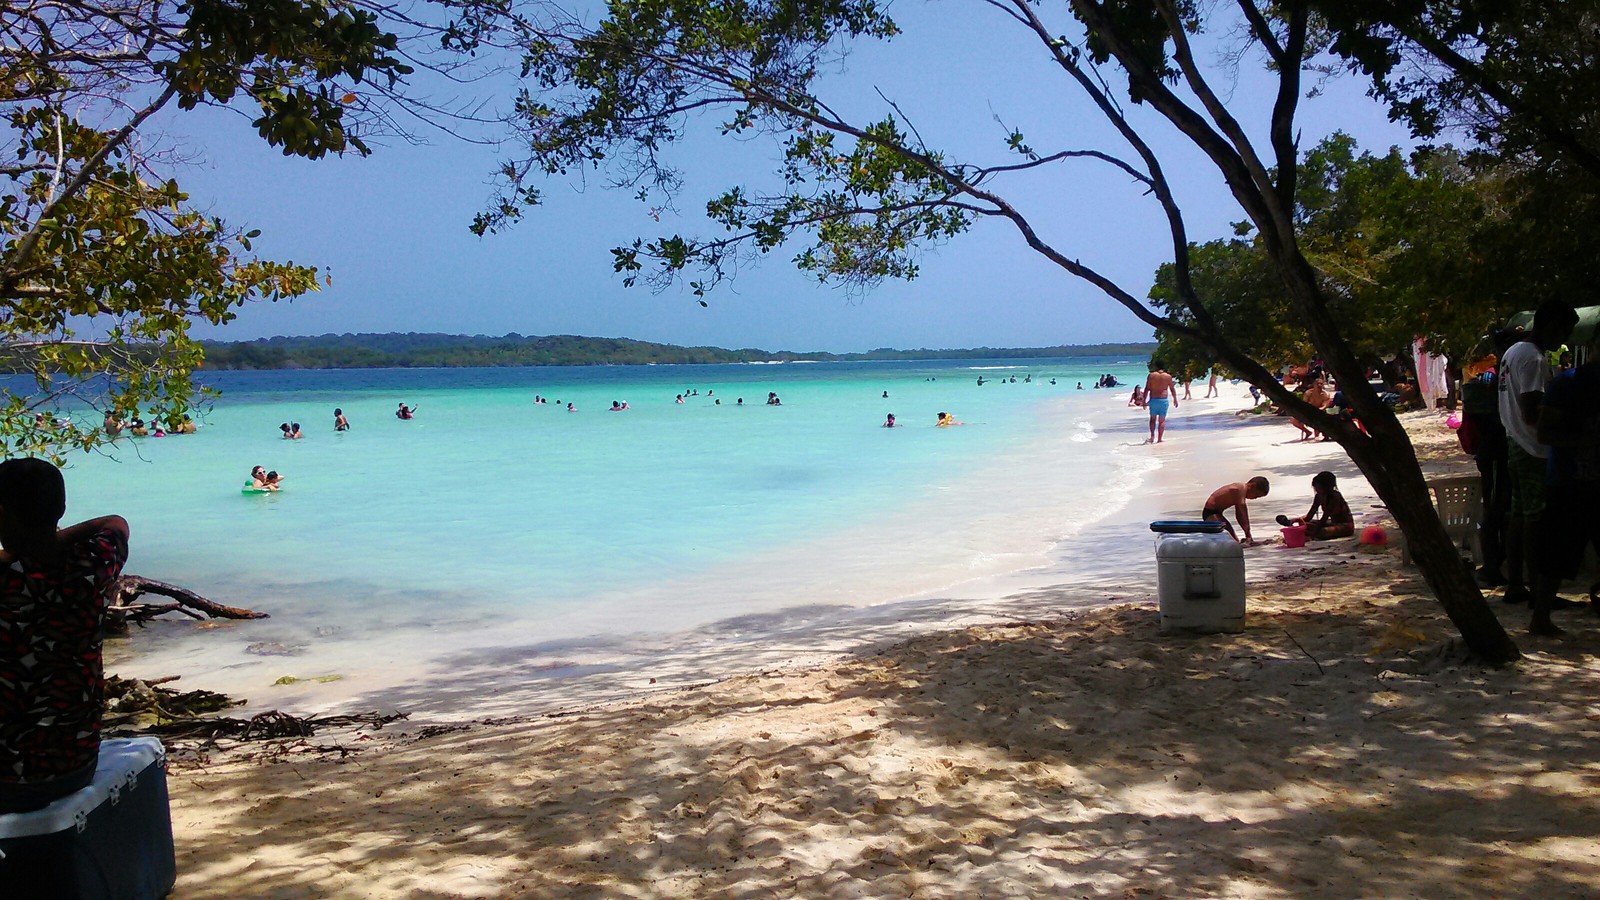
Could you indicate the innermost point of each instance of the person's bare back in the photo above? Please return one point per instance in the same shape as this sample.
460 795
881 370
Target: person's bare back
1158 386
1234 496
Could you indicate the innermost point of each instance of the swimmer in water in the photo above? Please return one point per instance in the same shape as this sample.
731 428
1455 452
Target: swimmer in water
890 423
340 423
404 412
294 431
571 408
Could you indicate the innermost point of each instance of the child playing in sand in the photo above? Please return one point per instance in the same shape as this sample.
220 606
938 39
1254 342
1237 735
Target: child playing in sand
1235 495
1336 520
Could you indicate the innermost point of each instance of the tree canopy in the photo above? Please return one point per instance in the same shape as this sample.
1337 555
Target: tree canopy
104 264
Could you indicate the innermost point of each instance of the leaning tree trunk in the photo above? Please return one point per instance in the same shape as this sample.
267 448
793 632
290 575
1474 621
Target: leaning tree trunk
1389 462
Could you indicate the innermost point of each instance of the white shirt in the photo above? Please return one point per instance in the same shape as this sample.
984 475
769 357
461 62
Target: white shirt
1523 370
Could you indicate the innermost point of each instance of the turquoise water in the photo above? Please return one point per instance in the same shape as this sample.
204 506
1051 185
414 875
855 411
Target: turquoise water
489 519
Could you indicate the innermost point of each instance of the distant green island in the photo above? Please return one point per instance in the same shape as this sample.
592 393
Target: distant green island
410 350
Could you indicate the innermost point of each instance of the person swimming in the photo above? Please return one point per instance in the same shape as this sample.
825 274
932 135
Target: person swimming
340 423
287 433
890 423
294 431
258 480
571 408
404 412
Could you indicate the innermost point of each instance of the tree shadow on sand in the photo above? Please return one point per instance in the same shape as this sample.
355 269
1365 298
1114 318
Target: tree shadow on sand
1339 751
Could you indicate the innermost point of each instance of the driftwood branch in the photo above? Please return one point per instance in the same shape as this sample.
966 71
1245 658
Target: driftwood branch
126 607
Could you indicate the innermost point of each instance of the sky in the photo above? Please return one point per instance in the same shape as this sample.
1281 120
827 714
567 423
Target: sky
391 230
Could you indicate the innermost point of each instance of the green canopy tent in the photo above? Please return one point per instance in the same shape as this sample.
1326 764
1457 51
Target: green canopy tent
1583 335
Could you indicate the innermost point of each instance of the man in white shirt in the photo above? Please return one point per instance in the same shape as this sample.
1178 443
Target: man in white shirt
1524 372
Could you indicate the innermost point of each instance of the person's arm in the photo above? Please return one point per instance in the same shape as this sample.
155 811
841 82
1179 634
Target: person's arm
1528 405
84 529
1316 503
1242 512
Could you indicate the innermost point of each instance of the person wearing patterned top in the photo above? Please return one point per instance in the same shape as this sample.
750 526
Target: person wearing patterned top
53 590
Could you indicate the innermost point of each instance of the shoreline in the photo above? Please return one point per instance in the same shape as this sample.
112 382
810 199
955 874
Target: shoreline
569 662
1338 746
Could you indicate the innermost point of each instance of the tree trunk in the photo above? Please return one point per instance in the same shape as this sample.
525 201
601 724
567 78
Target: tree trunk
1389 463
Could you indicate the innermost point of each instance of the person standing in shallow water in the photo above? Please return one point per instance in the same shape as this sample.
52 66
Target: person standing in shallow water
53 590
340 423
1158 396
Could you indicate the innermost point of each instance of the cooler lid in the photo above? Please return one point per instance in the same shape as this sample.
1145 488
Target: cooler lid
120 763
1186 526
1198 546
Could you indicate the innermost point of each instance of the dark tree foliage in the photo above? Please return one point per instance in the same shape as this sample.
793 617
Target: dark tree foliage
1519 76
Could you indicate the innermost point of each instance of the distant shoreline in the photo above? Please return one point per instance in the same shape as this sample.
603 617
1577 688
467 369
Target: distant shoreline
394 350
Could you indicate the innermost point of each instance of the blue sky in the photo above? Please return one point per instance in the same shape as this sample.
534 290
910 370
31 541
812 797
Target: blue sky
391 229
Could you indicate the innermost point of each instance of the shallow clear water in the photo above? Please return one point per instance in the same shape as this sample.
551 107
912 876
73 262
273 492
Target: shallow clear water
488 519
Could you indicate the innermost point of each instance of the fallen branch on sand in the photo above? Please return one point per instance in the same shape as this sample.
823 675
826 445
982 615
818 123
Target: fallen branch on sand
270 725
124 606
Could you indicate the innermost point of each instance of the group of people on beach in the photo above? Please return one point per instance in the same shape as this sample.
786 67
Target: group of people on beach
1531 420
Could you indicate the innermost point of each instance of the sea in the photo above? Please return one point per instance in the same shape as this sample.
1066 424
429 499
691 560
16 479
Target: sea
491 521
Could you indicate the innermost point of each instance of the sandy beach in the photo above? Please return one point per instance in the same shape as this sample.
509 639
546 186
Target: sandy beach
1025 735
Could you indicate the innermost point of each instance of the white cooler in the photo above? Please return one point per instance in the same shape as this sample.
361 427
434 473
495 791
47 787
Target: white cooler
1200 582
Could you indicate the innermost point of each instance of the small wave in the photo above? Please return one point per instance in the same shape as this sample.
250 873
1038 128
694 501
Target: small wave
1086 433
988 368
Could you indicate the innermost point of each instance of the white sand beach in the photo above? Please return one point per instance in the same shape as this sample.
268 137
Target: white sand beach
1030 734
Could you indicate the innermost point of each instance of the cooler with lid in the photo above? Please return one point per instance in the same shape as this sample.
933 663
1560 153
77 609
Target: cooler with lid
1199 577
109 841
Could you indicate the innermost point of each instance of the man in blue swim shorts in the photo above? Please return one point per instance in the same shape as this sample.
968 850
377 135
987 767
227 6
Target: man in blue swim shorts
1159 396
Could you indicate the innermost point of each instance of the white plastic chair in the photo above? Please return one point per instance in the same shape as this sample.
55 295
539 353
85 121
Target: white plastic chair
1459 502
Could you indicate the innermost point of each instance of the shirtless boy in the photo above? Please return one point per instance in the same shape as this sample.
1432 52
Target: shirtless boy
1158 395
1235 495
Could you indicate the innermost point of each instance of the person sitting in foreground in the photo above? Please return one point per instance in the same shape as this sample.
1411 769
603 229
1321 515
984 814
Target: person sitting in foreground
53 589
1234 495
1336 520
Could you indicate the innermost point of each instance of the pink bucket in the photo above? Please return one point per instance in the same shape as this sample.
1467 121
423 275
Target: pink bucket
1294 536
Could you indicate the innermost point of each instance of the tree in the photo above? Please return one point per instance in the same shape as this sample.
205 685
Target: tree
1517 75
1405 248
866 194
104 265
